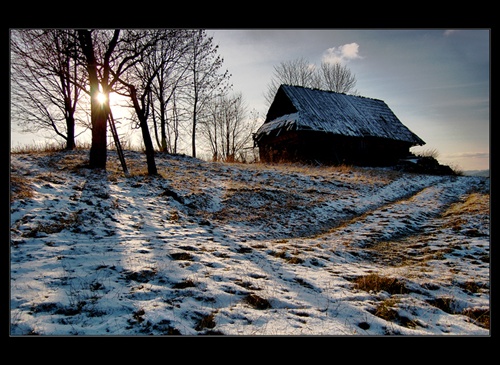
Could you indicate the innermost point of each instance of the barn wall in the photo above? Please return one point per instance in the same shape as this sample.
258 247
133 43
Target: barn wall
309 146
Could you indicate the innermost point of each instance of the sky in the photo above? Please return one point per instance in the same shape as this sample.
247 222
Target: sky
436 81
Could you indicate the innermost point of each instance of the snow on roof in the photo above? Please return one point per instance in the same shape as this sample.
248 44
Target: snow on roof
331 112
285 122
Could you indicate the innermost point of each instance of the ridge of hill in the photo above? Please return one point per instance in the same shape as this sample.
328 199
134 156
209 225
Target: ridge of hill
483 173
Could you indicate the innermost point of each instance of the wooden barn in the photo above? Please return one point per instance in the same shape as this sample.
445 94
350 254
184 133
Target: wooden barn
309 125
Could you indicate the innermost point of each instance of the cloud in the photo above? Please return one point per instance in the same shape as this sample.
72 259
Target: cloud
342 53
468 155
449 32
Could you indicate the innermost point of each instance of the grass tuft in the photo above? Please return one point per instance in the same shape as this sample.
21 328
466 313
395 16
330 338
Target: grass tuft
377 283
481 316
207 321
257 302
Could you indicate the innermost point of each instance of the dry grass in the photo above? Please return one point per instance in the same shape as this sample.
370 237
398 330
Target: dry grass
341 173
45 147
207 321
257 302
376 283
387 309
37 148
65 221
479 315
431 153
474 204
20 188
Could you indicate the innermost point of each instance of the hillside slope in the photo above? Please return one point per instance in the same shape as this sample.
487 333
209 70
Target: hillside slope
234 249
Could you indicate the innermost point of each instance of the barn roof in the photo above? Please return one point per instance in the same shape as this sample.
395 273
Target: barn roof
301 108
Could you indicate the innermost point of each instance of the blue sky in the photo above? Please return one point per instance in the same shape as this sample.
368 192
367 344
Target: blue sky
436 81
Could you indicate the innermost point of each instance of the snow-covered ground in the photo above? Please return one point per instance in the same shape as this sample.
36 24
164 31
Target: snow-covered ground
234 249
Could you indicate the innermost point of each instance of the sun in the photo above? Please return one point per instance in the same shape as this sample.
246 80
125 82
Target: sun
101 98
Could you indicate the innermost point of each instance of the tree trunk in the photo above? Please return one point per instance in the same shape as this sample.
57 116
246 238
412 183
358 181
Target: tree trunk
98 150
98 115
193 138
193 134
150 152
163 115
163 131
146 136
70 127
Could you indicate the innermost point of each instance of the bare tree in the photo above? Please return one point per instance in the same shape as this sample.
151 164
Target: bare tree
210 127
299 72
44 79
170 126
207 82
140 78
98 65
337 77
226 127
170 58
108 55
